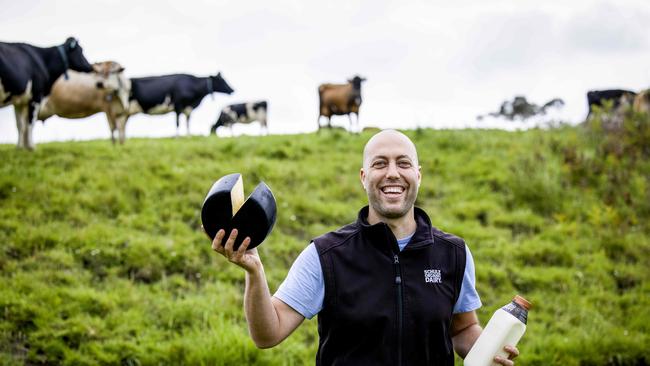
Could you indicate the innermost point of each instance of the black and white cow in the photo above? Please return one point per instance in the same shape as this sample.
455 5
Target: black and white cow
619 98
180 93
242 113
27 74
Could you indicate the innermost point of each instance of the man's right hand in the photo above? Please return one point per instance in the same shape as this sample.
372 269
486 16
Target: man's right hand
269 319
246 259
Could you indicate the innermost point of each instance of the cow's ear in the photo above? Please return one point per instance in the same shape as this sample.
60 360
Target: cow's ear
71 43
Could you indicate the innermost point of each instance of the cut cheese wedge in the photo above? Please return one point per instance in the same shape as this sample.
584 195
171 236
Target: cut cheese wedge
225 208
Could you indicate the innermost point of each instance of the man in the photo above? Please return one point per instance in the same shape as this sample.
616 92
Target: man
388 289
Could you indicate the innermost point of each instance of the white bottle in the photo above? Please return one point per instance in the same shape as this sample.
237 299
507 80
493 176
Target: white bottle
506 327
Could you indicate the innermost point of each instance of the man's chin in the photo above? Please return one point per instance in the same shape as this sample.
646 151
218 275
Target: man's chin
393 213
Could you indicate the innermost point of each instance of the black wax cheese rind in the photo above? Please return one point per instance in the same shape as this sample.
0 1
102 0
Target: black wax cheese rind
255 218
217 206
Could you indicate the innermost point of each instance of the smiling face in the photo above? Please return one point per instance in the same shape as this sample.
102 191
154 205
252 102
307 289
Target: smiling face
390 176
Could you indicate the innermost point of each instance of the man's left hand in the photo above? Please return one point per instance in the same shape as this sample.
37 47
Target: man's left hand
513 353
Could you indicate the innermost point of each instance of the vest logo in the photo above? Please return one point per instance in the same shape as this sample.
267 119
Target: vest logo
432 276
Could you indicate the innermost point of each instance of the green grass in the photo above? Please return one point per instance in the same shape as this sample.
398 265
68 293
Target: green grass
102 259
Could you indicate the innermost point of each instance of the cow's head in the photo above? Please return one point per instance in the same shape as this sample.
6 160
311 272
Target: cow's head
356 81
220 85
108 75
109 78
74 56
105 68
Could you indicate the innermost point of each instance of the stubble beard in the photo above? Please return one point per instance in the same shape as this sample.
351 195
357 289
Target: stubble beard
380 208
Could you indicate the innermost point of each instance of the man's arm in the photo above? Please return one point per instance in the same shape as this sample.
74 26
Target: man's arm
465 330
270 320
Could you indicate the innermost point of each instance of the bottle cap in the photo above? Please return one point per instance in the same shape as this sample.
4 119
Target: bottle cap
523 302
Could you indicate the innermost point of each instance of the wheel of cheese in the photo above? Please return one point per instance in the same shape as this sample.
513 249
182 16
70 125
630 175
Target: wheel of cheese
225 208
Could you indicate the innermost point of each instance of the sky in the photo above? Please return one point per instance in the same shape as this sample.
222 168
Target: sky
427 63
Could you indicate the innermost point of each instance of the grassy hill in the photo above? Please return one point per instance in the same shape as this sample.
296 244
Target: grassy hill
102 260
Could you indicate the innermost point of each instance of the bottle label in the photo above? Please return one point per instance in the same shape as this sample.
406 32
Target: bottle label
517 311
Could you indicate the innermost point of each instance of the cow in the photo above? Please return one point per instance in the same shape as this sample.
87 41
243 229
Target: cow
340 99
642 102
180 93
84 94
619 98
520 108
242 113
27 74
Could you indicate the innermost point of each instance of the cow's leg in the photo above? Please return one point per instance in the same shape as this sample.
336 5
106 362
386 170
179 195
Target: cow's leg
262 119
358 125
358 128
187 121
30 120
32 111
121 127
178 122
24 125
111 125
29 135
21 121
318 123
19 127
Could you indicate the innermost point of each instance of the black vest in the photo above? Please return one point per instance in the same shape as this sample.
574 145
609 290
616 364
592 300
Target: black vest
385 307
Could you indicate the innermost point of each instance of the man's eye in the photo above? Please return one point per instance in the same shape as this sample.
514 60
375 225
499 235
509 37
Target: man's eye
379 164
404 164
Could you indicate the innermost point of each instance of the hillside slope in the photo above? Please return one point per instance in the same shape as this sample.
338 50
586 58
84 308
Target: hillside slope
102 260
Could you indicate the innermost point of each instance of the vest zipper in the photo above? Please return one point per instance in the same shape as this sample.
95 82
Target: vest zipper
398 282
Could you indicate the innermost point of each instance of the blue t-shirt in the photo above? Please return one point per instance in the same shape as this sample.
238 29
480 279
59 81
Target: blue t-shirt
304 288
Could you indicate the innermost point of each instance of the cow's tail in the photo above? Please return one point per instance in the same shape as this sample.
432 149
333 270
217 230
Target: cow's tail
321 89
320 105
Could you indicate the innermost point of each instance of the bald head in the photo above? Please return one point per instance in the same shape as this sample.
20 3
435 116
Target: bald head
387 138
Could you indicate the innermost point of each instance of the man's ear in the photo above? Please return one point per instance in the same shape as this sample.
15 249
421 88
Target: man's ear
362 176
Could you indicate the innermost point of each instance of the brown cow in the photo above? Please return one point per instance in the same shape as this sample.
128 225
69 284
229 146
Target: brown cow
84 94
340 99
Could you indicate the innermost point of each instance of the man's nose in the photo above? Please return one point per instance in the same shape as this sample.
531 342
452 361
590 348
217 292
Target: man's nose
392 171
